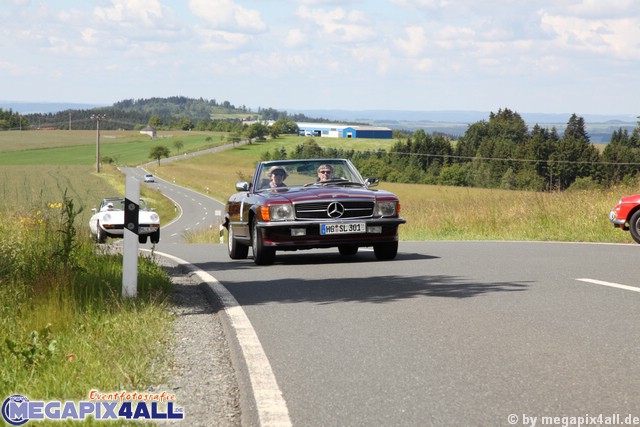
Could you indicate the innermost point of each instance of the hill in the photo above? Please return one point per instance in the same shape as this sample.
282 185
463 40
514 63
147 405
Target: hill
451 122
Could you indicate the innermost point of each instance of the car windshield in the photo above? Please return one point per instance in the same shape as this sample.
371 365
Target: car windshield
299 173
118 205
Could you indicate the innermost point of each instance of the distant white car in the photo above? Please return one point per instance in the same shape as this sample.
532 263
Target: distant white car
108 221
149 178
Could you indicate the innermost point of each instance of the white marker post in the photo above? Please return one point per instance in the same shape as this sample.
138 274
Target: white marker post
130 255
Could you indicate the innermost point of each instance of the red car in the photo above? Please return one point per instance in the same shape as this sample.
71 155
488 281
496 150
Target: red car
312 203
626 215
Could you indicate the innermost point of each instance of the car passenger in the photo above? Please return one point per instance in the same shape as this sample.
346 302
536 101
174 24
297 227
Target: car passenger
277 175
325 173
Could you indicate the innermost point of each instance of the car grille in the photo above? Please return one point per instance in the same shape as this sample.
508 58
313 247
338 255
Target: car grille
320 210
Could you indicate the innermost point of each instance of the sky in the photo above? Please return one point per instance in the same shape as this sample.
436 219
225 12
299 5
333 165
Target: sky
531 56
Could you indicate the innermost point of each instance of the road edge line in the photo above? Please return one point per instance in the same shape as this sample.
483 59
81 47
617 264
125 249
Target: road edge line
270 405
610 284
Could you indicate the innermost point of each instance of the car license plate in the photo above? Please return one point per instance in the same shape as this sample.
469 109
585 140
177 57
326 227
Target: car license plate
146 229
348 228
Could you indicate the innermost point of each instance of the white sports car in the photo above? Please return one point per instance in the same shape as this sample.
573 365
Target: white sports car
108 221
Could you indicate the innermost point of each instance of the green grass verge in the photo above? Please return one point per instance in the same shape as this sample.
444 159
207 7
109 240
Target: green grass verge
65 329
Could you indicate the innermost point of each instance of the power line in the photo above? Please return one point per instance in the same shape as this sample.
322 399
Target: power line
448 156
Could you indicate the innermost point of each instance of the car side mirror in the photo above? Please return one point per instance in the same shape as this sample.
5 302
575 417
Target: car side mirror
242 186
94 210
371 182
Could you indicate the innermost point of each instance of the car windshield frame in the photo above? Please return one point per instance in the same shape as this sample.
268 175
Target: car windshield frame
118 204
304 173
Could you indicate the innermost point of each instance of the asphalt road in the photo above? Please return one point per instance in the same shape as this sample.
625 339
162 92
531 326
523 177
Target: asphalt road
449 333
196 210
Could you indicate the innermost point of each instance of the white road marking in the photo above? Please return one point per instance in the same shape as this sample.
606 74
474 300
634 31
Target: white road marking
612 285
270 405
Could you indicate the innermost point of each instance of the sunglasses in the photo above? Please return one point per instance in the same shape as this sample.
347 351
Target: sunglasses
278 174
324 171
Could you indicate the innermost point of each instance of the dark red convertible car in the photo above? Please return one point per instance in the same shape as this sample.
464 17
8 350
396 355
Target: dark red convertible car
311 203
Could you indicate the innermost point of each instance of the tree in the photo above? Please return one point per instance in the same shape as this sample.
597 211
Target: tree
573 156
285 126
186 124
155 121
624 154
257 130
178 144
158 152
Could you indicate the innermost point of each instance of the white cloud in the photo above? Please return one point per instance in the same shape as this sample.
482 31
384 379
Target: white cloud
11 68
428 4
415 43
218 41
340 25
605 37
227 15
148 13
296 38
600 9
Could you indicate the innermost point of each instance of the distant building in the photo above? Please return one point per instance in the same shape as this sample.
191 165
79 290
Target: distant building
332 130
148 130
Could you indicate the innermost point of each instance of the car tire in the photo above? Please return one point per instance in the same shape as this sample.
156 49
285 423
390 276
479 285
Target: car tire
236 250
634 226
102 235
386 251
347 250
155 237
142 238
261 254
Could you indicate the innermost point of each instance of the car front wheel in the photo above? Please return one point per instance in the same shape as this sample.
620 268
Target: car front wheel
261 254
102 235
385 251
236 250
155 236
634 226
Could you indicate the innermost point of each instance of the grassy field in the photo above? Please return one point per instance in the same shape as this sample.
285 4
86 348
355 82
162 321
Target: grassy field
125 148
30 177
435 212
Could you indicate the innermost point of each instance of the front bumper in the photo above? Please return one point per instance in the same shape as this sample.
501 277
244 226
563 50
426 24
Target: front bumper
617 222
118 229
294 235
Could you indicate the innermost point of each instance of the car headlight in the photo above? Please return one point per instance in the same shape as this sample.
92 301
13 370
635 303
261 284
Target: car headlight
106 217
277 213
385 208
154 218
281 212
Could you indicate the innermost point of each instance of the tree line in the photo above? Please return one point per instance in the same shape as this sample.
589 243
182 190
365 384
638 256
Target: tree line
497 153
177 112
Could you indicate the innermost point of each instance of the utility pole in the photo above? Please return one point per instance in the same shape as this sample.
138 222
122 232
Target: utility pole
98 118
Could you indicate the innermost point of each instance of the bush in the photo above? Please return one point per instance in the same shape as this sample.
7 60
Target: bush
584 183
